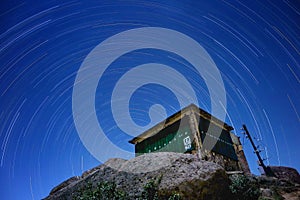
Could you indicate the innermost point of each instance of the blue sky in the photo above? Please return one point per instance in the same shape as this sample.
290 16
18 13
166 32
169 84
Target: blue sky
255 46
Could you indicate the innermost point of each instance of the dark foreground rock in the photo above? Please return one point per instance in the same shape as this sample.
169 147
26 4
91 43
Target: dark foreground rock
162 175
286 174
183 174
278 188
286 185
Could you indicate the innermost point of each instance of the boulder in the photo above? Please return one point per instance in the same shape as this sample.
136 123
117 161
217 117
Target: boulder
68 183
286 173
184 174
278 188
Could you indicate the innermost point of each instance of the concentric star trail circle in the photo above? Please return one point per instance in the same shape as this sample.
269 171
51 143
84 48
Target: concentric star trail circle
255 45
99 59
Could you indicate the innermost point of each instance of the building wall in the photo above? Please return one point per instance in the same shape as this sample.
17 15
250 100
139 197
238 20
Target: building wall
243 164
177 137
185 133
223 152
227 163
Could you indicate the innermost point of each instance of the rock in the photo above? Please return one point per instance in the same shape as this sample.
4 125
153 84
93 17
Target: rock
113 163
278 188
295 195
286 173
65 184
184 174
266 192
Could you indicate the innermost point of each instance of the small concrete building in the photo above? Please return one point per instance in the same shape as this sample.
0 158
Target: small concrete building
185 131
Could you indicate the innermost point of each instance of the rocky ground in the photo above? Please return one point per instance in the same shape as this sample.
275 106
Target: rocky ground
167 175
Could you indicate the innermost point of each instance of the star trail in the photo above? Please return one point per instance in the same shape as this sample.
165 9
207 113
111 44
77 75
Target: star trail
254 44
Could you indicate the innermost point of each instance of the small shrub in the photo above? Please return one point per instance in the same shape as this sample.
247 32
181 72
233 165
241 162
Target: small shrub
104 190
242 188
108 191
175 196
151 190
276 194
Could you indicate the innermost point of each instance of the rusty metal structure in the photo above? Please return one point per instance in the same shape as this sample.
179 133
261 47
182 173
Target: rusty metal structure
185 131
267 170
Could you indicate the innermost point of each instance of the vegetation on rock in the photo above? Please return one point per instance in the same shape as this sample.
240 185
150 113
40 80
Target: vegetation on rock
243 188
176 176
109 191
104 190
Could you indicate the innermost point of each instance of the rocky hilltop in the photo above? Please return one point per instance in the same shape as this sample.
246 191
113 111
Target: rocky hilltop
167 175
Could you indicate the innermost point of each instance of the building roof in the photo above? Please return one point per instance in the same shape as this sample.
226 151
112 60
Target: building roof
177 116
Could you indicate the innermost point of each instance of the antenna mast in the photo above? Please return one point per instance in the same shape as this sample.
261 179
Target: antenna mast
267 170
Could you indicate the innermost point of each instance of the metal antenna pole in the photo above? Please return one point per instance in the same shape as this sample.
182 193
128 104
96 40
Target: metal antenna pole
266 169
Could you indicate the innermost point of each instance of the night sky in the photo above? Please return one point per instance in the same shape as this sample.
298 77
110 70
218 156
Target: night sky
254 44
